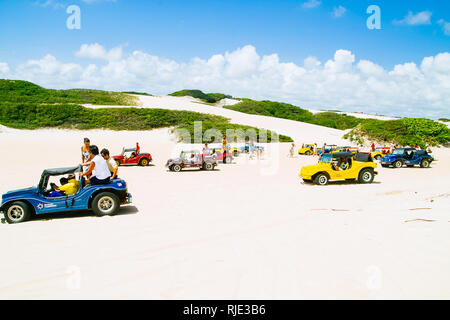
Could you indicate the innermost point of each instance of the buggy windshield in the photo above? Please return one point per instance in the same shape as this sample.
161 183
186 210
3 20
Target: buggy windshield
398 151
326 158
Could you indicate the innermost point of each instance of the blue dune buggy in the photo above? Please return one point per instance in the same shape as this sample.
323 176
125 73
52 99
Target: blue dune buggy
18 206
246 148
407 156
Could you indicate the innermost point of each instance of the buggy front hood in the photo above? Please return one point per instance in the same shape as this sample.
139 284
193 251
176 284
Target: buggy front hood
20 193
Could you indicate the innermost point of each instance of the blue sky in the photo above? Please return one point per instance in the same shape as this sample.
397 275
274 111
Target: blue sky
180 30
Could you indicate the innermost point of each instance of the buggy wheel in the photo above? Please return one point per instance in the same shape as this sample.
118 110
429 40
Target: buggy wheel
176 168
17 212
235 153
366 176
144 162
118 162
227 160
398 164
208 166
105 204
425 163
321 179
377 157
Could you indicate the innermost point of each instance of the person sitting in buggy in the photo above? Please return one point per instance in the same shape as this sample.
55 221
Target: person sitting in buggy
68 187
341 164
99 169
194 158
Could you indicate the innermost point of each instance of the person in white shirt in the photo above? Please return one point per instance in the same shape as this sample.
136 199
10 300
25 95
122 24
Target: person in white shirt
112 165
194 158
98 168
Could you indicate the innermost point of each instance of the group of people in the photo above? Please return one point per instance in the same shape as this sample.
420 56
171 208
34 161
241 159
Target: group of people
98 166
225 148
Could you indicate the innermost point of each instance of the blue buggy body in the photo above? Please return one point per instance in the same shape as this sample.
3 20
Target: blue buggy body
18 205
407 156
246 148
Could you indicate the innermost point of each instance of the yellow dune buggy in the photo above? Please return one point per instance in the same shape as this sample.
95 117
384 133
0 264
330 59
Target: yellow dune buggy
308 150
359 166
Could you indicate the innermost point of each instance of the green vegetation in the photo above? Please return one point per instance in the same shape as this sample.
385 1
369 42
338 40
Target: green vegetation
205 97
444 120
407 131
239 133
25 105
70 116
138 93
18 91
291 112
402 131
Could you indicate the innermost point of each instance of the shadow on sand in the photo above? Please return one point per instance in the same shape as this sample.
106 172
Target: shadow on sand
126 210
339 183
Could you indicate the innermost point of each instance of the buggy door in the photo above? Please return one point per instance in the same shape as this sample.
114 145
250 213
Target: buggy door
128 159
54 204
409 156
417 158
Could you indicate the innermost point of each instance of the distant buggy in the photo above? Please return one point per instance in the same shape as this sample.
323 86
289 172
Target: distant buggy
192 159
129 157
409 157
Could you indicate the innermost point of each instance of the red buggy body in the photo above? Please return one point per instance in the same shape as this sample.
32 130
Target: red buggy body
129 157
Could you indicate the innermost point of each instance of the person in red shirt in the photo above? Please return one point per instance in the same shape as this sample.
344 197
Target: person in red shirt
373 146
138 148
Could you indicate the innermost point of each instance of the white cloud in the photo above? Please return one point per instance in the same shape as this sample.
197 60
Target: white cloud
311 4
94 1
342 82
339 11
411 19
4 68
445 26
50 3
97 51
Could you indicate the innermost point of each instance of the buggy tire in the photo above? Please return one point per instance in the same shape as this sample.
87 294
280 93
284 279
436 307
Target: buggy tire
105 204
366 176
398 164
321 179
425 163
17 212
176 168
227 160
144 162
208 166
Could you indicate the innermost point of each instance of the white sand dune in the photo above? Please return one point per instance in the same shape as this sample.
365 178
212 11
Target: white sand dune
299 131
249 230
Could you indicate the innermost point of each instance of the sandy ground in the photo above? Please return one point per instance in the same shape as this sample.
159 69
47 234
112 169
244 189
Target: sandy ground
249 230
